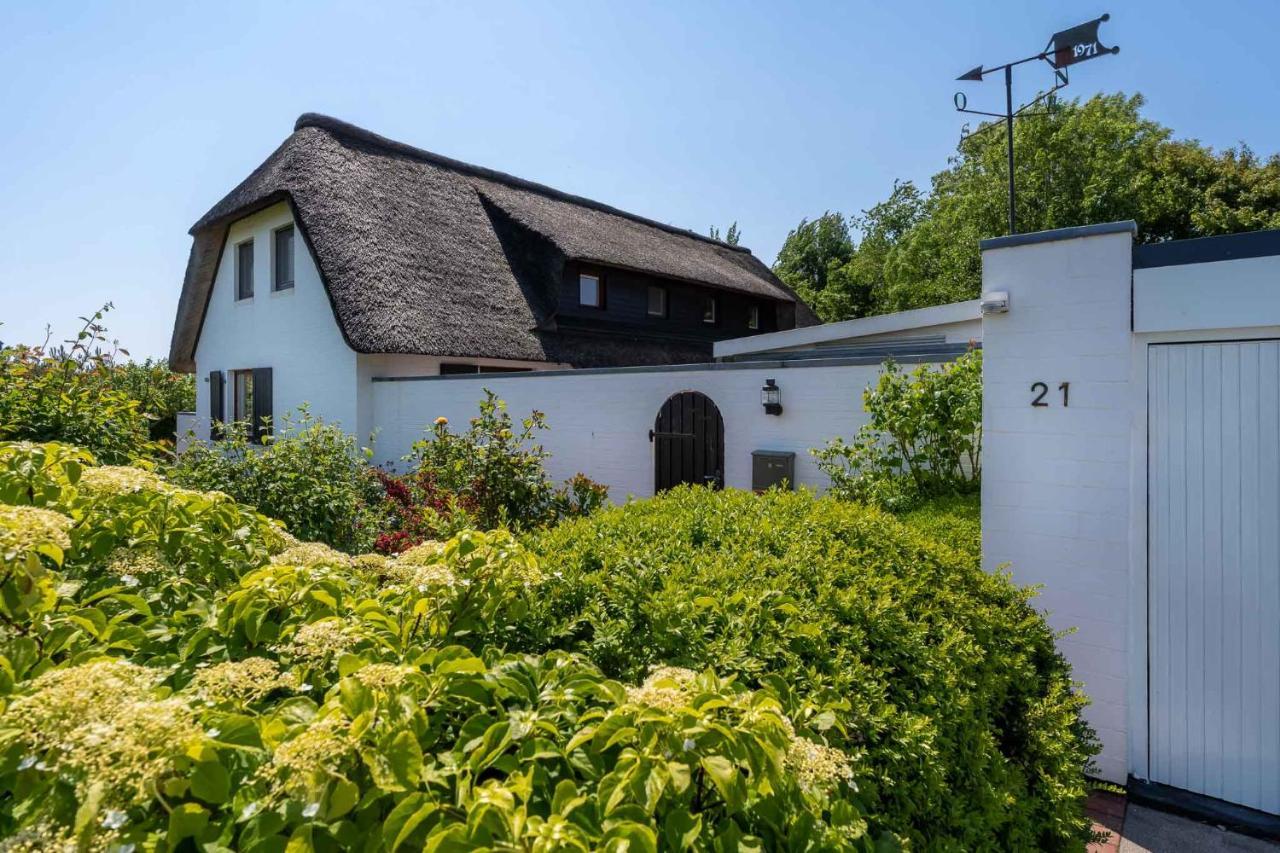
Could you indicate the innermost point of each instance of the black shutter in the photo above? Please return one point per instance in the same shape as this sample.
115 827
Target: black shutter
217 400
261 404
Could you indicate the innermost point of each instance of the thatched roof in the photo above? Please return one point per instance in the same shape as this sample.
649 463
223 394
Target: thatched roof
424 254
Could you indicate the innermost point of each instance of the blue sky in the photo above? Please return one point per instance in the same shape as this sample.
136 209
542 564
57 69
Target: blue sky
124 122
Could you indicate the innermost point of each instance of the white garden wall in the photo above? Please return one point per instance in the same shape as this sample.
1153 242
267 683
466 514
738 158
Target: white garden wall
600 420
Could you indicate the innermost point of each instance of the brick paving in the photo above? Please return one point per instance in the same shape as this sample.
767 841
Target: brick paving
1107 811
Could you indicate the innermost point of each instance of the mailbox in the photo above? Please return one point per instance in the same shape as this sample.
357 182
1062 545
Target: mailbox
771 468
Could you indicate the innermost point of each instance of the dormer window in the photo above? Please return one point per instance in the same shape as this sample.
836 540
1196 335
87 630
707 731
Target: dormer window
753 317
590 291
710 310
244 270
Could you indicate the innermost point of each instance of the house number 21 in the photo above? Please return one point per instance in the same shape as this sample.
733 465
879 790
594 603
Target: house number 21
1041 390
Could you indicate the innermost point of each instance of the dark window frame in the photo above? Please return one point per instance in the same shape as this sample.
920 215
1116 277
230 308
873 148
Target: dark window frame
601 289
753 316
713 301
237 414
666 301
277 285
240 283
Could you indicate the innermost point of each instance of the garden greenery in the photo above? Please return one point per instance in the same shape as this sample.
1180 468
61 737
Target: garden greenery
177 671
311 475
941 682
67 393
924 437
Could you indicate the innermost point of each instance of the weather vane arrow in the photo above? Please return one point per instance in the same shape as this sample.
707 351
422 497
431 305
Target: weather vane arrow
1066 48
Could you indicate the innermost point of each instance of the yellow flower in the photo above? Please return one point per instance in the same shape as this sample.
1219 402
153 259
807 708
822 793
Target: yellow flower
312 555
97 723
442 421
108 480
319 641
22 528
247 680
667 688
305 764
817 766
383 676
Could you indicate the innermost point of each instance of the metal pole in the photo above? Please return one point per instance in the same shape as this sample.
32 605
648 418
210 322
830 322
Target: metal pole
1008 125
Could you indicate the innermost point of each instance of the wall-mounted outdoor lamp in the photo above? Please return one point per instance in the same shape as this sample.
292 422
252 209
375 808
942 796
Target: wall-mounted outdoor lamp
771 397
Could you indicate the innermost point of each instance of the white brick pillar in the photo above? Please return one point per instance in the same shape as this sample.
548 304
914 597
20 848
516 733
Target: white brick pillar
1056 476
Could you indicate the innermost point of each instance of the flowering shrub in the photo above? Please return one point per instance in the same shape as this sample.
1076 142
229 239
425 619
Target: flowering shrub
176 671
924 438
491 475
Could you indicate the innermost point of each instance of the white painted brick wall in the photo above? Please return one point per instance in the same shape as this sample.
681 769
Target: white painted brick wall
1055 486
599 423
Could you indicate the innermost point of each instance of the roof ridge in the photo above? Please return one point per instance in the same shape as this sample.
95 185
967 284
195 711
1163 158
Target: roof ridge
339 127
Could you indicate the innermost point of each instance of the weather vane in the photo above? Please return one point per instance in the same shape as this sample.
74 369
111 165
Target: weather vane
1067 48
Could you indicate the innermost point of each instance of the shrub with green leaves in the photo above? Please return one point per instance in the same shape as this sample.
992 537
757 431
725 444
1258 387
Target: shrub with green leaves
940 680
924 437
66 394
953 520
177 672
161 393
311 475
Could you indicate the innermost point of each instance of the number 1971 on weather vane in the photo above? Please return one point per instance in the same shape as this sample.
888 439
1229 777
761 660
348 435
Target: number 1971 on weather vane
1069 47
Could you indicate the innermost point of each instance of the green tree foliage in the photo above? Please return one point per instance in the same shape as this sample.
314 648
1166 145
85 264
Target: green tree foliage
923 439
811 252
160 393
940 677
733 236
1099 160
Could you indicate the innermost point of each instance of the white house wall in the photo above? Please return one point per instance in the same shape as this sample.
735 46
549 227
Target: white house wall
600 421
291 331
1230 294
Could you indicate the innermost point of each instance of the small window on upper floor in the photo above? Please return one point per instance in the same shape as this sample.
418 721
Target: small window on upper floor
657 301
590 291
282 259
244 270
710 310
753 317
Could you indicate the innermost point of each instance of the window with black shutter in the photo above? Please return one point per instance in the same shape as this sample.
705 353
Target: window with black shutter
262 404
217 412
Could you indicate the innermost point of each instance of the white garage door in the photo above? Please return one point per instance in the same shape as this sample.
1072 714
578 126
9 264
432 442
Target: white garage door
1214 569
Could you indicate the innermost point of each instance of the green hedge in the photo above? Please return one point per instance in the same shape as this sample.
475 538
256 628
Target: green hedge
942 680
953 520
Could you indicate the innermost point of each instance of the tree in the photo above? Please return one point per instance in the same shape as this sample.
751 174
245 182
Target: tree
732 236
812 250
1083 162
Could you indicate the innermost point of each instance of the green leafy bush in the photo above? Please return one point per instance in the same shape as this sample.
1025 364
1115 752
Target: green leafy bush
311 475
160 393
66 394
953 520
924 438
188 676
942 681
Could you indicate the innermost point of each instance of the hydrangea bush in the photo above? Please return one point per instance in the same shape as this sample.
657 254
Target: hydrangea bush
177 671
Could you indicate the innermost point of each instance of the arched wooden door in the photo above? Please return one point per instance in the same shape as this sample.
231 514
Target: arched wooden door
688 438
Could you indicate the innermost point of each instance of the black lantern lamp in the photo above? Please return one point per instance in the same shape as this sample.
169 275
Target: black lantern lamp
771 397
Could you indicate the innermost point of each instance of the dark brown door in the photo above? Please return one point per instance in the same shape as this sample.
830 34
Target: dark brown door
688 438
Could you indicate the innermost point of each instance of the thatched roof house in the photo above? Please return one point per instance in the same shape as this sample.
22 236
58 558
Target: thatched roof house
422 254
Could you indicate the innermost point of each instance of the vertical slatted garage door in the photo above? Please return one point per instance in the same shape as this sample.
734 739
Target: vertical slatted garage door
1214 569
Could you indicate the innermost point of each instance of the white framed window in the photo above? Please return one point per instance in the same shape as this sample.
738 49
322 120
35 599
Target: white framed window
282 258
657 301
710 310
590 291
753 317
244 270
